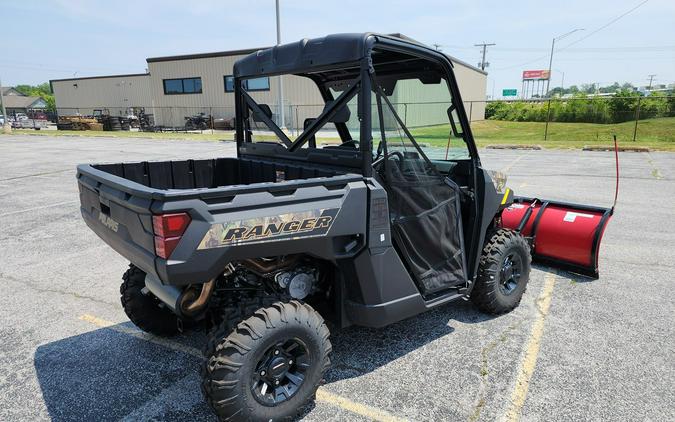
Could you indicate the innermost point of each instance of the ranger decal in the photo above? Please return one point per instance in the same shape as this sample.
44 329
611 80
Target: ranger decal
294 225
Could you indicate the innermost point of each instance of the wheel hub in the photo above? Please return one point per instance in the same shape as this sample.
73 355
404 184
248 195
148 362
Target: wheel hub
510 273
280 372
277 368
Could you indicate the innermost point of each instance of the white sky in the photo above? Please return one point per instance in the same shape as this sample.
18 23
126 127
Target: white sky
84 38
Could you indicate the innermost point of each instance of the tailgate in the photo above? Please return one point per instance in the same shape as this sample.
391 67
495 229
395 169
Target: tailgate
118 216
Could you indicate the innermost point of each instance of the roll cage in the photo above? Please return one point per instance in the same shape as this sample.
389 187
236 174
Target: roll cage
355 65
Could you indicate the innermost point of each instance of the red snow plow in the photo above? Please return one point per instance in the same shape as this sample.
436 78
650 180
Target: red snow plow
561 234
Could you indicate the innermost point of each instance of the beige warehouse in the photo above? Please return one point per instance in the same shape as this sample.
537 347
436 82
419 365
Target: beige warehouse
180 86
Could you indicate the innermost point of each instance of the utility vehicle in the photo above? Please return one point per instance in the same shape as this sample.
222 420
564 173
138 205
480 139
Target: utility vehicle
266 246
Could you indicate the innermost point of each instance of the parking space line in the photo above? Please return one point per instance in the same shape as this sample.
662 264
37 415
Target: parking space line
38 208
529 361
322 395
514 162
375 414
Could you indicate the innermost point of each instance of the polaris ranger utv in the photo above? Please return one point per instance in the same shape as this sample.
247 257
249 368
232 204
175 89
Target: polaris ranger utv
265 246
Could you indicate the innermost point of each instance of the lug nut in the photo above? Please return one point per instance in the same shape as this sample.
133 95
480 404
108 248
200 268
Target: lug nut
262 373
276 382
276 352
290 362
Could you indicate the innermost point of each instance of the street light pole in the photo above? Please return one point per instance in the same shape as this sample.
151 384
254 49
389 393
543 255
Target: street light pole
6 128
550 60
280 104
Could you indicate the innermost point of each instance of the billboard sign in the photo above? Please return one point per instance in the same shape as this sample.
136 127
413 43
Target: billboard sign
509 92
536 74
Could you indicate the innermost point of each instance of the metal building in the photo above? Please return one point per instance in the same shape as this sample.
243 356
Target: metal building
179 86
116 93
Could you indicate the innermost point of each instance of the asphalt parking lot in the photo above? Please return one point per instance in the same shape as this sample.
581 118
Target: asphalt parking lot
576 349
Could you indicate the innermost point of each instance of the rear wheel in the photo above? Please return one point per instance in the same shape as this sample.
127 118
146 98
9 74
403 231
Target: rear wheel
269 366
143 308
503 273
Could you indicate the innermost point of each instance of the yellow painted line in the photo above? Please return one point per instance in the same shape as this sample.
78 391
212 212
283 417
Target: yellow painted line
513 163
529 361
506 195
322 395
169 344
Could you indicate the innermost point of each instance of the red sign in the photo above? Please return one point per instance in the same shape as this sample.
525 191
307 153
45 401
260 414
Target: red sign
535 74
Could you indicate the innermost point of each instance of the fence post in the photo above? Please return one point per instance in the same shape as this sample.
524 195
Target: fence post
637 117
470 111
548 117
405 113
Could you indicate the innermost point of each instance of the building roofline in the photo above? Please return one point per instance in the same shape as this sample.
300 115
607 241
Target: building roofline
84 78
127 75
204 55
452 58
465 64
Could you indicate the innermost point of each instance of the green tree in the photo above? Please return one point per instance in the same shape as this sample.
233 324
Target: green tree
43 91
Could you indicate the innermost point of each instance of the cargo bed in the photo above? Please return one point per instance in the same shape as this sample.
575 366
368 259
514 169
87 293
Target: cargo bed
118 202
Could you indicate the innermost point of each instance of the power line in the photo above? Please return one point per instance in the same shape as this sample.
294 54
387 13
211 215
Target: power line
605 25
582 38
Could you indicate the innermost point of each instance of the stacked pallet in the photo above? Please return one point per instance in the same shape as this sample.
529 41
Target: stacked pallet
77 123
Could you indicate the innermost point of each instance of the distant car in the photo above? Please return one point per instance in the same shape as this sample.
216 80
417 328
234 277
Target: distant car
38 115
21 117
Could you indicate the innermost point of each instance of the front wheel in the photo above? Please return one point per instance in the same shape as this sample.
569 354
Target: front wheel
503 273
269 366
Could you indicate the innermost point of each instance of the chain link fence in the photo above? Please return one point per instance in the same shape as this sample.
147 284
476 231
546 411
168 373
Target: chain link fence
635 117
588 119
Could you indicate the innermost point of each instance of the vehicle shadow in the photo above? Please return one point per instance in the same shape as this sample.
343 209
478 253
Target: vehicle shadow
108 374
572 277
377 347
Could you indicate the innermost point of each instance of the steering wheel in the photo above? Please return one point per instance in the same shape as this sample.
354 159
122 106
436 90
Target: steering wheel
378 163
350 143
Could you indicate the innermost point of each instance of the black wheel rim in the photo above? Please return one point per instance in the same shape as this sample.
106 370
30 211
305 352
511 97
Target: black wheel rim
280 372
510 273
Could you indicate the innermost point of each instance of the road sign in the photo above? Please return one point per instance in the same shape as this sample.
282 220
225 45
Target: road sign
509 92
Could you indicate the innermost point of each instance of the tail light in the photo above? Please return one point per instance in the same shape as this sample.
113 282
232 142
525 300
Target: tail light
168 230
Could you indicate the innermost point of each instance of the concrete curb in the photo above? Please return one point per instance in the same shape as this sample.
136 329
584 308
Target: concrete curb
611 148
514 146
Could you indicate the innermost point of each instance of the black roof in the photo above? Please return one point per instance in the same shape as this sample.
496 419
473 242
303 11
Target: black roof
317 52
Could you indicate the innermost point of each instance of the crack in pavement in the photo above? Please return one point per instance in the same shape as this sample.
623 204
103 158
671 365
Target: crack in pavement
529 360
483 376
656 173
36 175
33 287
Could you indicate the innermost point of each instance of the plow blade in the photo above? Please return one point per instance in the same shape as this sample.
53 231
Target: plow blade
561 235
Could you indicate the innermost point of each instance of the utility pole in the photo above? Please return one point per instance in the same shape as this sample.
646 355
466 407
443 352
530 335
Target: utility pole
280 104
437 47
6 128
651 79
483 64
550 60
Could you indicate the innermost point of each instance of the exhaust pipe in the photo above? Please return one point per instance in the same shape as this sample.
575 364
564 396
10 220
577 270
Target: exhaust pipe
184 303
